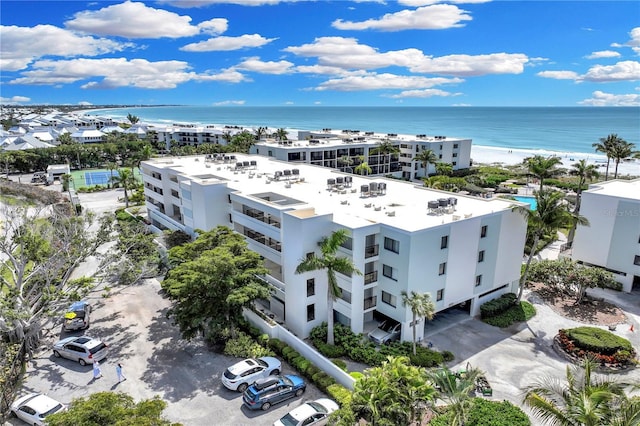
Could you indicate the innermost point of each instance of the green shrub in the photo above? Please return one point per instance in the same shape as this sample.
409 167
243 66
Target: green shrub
290 356
339 394
286 350
598 340
426 358
516 313
325 382
448 356
485 412
340 363
356 375
311 371
329 351
243 346
277 345
301 363
497 306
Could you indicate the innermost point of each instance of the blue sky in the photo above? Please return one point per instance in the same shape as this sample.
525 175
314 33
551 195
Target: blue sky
333 53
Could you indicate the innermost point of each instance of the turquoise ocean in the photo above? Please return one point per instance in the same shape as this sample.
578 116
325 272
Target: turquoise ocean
560 129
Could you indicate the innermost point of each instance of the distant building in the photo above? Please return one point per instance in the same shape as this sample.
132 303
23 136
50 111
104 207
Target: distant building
612 239
462 250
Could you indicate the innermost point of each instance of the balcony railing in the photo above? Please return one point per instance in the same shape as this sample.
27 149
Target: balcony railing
371 251
370 302
370 277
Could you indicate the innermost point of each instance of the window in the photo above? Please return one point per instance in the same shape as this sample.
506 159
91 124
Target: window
348 243
311 312
229 198
455 145
389 299
442 269
455 154
483 231
391 245
444 242
389 272
311 287
440 295
478 280
636 260
481 256
454 163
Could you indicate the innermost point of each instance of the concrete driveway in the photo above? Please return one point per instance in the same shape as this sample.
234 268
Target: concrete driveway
156 361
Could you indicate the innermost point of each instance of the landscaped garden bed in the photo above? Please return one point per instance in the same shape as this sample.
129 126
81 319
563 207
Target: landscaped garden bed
612 352
504 311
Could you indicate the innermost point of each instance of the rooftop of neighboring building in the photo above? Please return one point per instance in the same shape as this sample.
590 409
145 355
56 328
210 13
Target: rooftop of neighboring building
617 188
311 192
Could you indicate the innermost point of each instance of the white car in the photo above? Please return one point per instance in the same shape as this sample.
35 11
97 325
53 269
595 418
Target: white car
314 413
83 349
35 407
239 376
387 332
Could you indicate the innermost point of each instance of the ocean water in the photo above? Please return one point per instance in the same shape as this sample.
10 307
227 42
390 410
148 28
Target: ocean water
561 129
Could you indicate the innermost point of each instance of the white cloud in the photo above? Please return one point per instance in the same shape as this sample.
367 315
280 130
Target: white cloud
559 75
348 54
204 3
603 54
425 93
434 17
634 43
225 76
622 71
382 82
270 67
224 103
324 70
133 20
14 99
607 99
115 72
84 103
228 43
22 45
214 26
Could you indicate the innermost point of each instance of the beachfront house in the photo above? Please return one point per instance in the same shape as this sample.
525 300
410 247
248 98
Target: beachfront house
462 250
346 149
612 241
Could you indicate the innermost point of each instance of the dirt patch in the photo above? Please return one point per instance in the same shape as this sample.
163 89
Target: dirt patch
590 310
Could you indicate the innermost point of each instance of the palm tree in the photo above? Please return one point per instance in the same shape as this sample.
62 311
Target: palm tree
226 135
132 119
111 166
363 168
583 400
127 180
444 169
65 139
455 390
550 215
426 157
585 172
281 134
421 305
606 146
346 161
332 264
542 167
621 150
260 132
386 149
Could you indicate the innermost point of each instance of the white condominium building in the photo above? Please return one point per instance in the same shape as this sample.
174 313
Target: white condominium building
612 239
346 149
462 250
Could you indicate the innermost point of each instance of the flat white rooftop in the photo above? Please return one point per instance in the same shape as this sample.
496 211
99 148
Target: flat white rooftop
618 188
404 205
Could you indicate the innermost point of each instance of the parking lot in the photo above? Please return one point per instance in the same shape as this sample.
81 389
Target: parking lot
156 361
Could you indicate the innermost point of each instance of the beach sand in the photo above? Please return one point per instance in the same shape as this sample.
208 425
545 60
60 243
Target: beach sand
504 156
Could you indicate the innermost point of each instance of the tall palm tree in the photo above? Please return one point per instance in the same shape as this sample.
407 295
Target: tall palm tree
550 215
127 180
132 119
281 134
332 263
421 305
260 132
386 149
585 172
583 400
346 161
606 147
542 167
621 150
226 135
426 157
111 166
363 168
455 390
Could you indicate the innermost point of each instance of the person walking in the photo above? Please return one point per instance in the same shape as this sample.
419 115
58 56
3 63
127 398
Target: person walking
120 374
97 373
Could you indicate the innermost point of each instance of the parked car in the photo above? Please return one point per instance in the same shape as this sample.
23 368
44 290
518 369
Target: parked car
77 316
387 331
83 349
266 392
242 374
35 407
314 413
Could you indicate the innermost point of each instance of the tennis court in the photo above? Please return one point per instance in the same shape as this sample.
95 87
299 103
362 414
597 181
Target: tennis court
102 177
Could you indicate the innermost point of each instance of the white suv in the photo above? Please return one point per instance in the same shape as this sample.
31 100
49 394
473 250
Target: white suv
240 375
83 349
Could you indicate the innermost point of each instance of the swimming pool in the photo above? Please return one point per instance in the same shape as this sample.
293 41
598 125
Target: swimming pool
530 200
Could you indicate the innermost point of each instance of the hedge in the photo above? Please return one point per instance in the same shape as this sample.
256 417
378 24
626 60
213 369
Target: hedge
487 413
497 306
523 311
598 340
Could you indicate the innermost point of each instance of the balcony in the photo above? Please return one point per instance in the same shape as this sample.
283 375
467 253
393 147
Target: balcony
371 251
370 302
370 277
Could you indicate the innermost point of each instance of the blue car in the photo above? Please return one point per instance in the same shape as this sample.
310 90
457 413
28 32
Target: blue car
265 392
